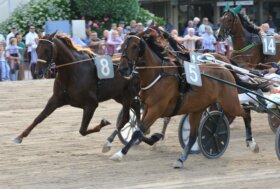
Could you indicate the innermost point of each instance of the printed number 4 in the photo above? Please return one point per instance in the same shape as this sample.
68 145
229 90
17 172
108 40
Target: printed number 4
105 67
193 73
269 46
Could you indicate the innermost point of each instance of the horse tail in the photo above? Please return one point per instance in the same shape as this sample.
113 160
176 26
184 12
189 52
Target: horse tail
264 86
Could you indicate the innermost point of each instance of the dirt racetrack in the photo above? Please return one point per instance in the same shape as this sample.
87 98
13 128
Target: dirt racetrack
56 156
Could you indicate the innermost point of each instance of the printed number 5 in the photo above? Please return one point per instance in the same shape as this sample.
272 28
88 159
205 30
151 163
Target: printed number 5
105 67
193 73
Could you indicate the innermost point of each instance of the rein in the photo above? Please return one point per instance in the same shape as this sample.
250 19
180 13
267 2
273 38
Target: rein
246 48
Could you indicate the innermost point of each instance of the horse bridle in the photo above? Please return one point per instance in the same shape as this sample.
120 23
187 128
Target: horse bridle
53 53
227 30
140 53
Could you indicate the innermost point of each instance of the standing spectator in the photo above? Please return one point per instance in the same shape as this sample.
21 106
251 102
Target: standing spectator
22 51
265 30
168 26
86 40
116 42
208 41
120 32
4 66
174 34
2 39
30 40
196 22
133 26
122 25
94 42
271 24
113 28
13 56
190 39
201 29
190 25
11 34
140 27
34 57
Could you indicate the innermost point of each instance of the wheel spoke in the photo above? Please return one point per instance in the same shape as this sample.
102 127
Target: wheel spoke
217 144
125 127
208 129
128 134
222 133
207 143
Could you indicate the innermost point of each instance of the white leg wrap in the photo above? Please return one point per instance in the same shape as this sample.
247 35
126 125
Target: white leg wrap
117 156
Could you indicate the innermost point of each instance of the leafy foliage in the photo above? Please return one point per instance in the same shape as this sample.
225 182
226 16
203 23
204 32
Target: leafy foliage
117 9
100 14
37 12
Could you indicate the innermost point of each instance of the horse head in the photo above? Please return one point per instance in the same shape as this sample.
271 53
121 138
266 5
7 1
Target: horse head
46 54
227 22
46 49
132 49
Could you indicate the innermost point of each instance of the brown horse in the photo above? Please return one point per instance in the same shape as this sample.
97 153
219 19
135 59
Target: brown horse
78 85
246 39
159 92
164 46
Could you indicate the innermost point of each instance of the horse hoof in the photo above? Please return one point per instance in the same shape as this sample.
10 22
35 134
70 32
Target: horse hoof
253 146
117 156
106 147
256 149
178 165
104 122
17 140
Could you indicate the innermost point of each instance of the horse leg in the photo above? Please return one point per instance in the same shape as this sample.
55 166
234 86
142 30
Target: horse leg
149 117
125 118
194 123
166 121
249 137
87 116
52 104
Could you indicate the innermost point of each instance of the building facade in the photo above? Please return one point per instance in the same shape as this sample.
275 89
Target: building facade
178 12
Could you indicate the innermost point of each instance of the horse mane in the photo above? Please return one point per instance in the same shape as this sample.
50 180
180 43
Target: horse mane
248 24
68 42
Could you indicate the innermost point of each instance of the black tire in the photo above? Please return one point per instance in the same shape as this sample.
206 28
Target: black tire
213 137
273 122
129 128
277 143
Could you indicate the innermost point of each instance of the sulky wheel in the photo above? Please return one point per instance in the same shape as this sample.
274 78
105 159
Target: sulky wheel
213 134
277 143
184 132
273 121
126 132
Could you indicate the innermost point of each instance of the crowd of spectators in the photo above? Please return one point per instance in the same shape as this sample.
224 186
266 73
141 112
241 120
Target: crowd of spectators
17 58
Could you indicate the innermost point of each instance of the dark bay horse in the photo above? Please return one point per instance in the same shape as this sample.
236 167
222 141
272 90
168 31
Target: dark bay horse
159 92
78 85
246 39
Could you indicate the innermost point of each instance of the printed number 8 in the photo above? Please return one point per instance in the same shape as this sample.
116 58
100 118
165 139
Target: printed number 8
105 69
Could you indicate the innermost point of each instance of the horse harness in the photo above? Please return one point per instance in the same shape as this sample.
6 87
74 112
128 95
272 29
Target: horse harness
183 85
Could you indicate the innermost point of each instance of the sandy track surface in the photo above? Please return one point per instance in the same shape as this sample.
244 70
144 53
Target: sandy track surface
56 156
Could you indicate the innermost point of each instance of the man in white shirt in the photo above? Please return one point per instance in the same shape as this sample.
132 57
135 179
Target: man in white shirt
30 40
190 39
12 34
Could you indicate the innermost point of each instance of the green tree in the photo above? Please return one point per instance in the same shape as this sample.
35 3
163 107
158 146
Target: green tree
113 9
